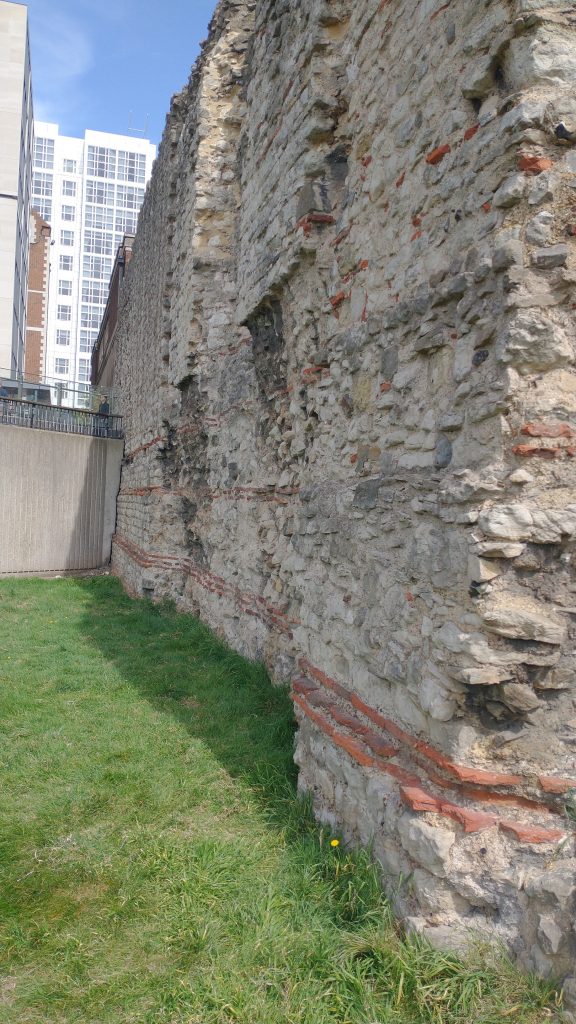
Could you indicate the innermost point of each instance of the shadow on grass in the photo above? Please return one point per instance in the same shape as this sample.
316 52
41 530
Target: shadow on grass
179 666
297 931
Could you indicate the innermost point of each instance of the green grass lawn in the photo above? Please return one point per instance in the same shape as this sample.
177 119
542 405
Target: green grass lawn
156 866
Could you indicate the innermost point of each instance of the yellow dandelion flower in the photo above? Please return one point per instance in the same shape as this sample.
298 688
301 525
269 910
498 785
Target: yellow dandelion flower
334 842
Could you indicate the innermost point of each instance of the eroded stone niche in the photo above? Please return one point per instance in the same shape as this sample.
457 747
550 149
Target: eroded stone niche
347 359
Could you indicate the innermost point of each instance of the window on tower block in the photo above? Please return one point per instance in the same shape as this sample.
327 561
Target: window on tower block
84 370
98 217
99 192
87 339
100 242
44 153
44 208
101 162
42 183
131 166
96 266
90 316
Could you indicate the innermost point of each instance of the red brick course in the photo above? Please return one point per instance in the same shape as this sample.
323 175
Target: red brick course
550 784
438 154
539 429
527 451
246 602
364 743
531 164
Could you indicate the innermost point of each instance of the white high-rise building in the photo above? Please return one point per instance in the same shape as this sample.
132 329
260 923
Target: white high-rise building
16 125
90 190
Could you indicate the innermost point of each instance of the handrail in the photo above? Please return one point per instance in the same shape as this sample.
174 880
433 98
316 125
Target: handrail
57 391
17 413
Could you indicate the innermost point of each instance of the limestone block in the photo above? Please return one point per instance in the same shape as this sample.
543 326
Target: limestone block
546 57
539 229
510 522
569 996
458 939
481 570
534 342
518 698
542 189
551 256
554 886
522 618
428 845
499 549
437 897
510 191
550 936
436 699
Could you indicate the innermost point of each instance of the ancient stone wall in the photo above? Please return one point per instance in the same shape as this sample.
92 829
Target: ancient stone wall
347 359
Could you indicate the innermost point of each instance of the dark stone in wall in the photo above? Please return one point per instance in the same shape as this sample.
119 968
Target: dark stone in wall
267 329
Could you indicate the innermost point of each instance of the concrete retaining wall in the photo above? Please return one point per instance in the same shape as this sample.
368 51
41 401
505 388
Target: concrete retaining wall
57 500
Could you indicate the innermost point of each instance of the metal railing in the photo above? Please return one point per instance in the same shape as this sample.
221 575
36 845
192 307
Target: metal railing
56 391
24 413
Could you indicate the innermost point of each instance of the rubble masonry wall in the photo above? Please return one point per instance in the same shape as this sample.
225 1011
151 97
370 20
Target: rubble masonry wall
346 350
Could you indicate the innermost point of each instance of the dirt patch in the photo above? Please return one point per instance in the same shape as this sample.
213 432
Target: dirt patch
189 702
7 989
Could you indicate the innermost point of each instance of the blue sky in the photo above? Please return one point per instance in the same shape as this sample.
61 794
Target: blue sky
99 63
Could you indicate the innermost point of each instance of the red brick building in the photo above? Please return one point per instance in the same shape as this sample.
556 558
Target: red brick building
103 354
37 302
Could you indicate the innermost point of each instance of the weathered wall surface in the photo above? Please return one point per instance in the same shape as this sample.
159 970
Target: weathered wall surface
347 354
57 500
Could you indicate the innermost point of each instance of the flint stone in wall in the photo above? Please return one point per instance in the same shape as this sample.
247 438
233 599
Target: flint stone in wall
443 453
551 256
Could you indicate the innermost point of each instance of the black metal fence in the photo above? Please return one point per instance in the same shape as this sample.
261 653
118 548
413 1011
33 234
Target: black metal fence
68 394
66 421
